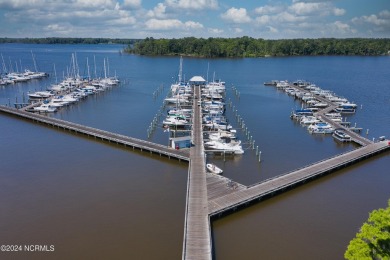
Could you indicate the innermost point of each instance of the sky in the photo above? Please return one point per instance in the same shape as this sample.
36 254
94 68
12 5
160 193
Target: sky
138 19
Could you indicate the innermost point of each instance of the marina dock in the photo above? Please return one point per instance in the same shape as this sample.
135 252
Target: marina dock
110 137
211 196
271 187
332 106
197 229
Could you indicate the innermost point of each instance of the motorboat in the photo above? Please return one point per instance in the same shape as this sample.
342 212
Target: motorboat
345 109
40 95
229 147
271 83
175 121
282 84
176 100
46 108
298 113
320 105
308 120
341 135
213 168
320 128
221 134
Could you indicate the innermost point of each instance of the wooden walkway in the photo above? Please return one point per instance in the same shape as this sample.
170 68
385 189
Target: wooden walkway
134 143
273 186
218 186
197 229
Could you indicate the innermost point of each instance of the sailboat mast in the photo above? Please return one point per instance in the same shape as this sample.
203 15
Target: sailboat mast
104 64
94 63
35 63
89 75
4 67
108 68
55 72
208 67
181 69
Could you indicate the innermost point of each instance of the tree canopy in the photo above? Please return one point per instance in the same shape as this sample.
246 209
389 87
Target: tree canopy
373 239
250 47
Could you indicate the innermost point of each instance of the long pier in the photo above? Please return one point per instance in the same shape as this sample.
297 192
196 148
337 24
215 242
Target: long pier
254 193
197 230
100 134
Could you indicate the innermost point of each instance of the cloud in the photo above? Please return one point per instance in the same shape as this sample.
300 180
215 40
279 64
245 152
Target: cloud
302 18
238 30
268 9
84 18
338 11
158 11
272 29
374 22
215 31
192 4
235 15
171 24
341 27
317 8
264 19
132 4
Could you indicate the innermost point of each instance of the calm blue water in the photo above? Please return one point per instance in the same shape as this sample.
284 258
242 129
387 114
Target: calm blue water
69 190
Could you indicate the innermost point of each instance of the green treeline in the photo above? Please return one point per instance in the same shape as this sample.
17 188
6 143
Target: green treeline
373 239
58 40
231 47
250 47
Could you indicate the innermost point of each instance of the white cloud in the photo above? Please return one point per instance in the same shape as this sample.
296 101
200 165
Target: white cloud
60 28
158 11
215 31
132 3
272 29
193 4
301 8
193 25
171 24
288 17
264 19
341 27
317 8
84 18
338 11
238 30
235 15
268 9
374 22
385 14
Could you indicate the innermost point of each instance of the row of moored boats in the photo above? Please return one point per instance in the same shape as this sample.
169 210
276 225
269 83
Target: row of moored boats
69 91
316 99
15 77
219 134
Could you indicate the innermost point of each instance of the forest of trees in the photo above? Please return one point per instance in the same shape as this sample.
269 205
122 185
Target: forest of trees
230 47
373 239
250 47
59 40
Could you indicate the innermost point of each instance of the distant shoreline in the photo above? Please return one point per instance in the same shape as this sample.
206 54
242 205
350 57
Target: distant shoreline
243 47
